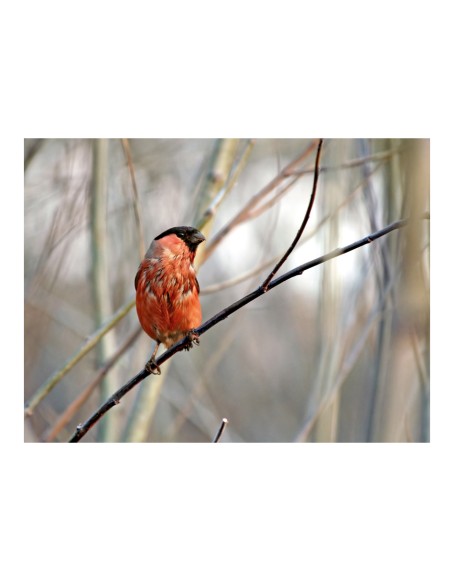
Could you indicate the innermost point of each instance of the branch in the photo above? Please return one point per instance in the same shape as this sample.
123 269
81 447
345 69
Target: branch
135 195
224 313
378 157
221 430
245 213
286 255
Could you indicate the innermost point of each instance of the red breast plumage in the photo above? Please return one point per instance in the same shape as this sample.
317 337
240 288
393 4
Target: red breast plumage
167 290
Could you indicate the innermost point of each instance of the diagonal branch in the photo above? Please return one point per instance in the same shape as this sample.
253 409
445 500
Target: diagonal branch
224 313
286 255
221 430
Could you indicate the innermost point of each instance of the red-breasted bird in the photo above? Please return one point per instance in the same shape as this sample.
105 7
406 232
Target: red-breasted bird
167 290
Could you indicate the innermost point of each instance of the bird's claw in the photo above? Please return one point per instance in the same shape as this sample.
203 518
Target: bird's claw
192 337
152 367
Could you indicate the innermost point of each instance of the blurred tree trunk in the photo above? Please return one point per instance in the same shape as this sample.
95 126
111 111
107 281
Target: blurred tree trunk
102 297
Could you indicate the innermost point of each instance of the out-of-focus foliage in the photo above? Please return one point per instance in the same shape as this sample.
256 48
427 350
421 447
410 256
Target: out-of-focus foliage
338 354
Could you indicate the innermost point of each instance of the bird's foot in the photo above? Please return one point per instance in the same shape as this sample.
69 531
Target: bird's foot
152 367
192 338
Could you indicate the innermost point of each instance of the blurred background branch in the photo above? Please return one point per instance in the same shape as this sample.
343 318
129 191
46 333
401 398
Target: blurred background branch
100 276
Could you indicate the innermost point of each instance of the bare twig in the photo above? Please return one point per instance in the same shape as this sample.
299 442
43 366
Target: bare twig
245 212
378 157
223 314
255 212
221 430
135 197
279 264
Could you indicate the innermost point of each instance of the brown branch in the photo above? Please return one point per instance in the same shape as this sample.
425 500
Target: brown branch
245 213
255 212
286 255
135 197
224 313
224 423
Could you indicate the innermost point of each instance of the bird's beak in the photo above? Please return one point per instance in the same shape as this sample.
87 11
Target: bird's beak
197 238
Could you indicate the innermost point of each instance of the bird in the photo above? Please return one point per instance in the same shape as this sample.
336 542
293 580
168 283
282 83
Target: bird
167 290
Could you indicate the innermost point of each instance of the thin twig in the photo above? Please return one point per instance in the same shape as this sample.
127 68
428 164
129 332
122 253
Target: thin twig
135 197
349 164
221 430
244 213
82 429
256 212
286 255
